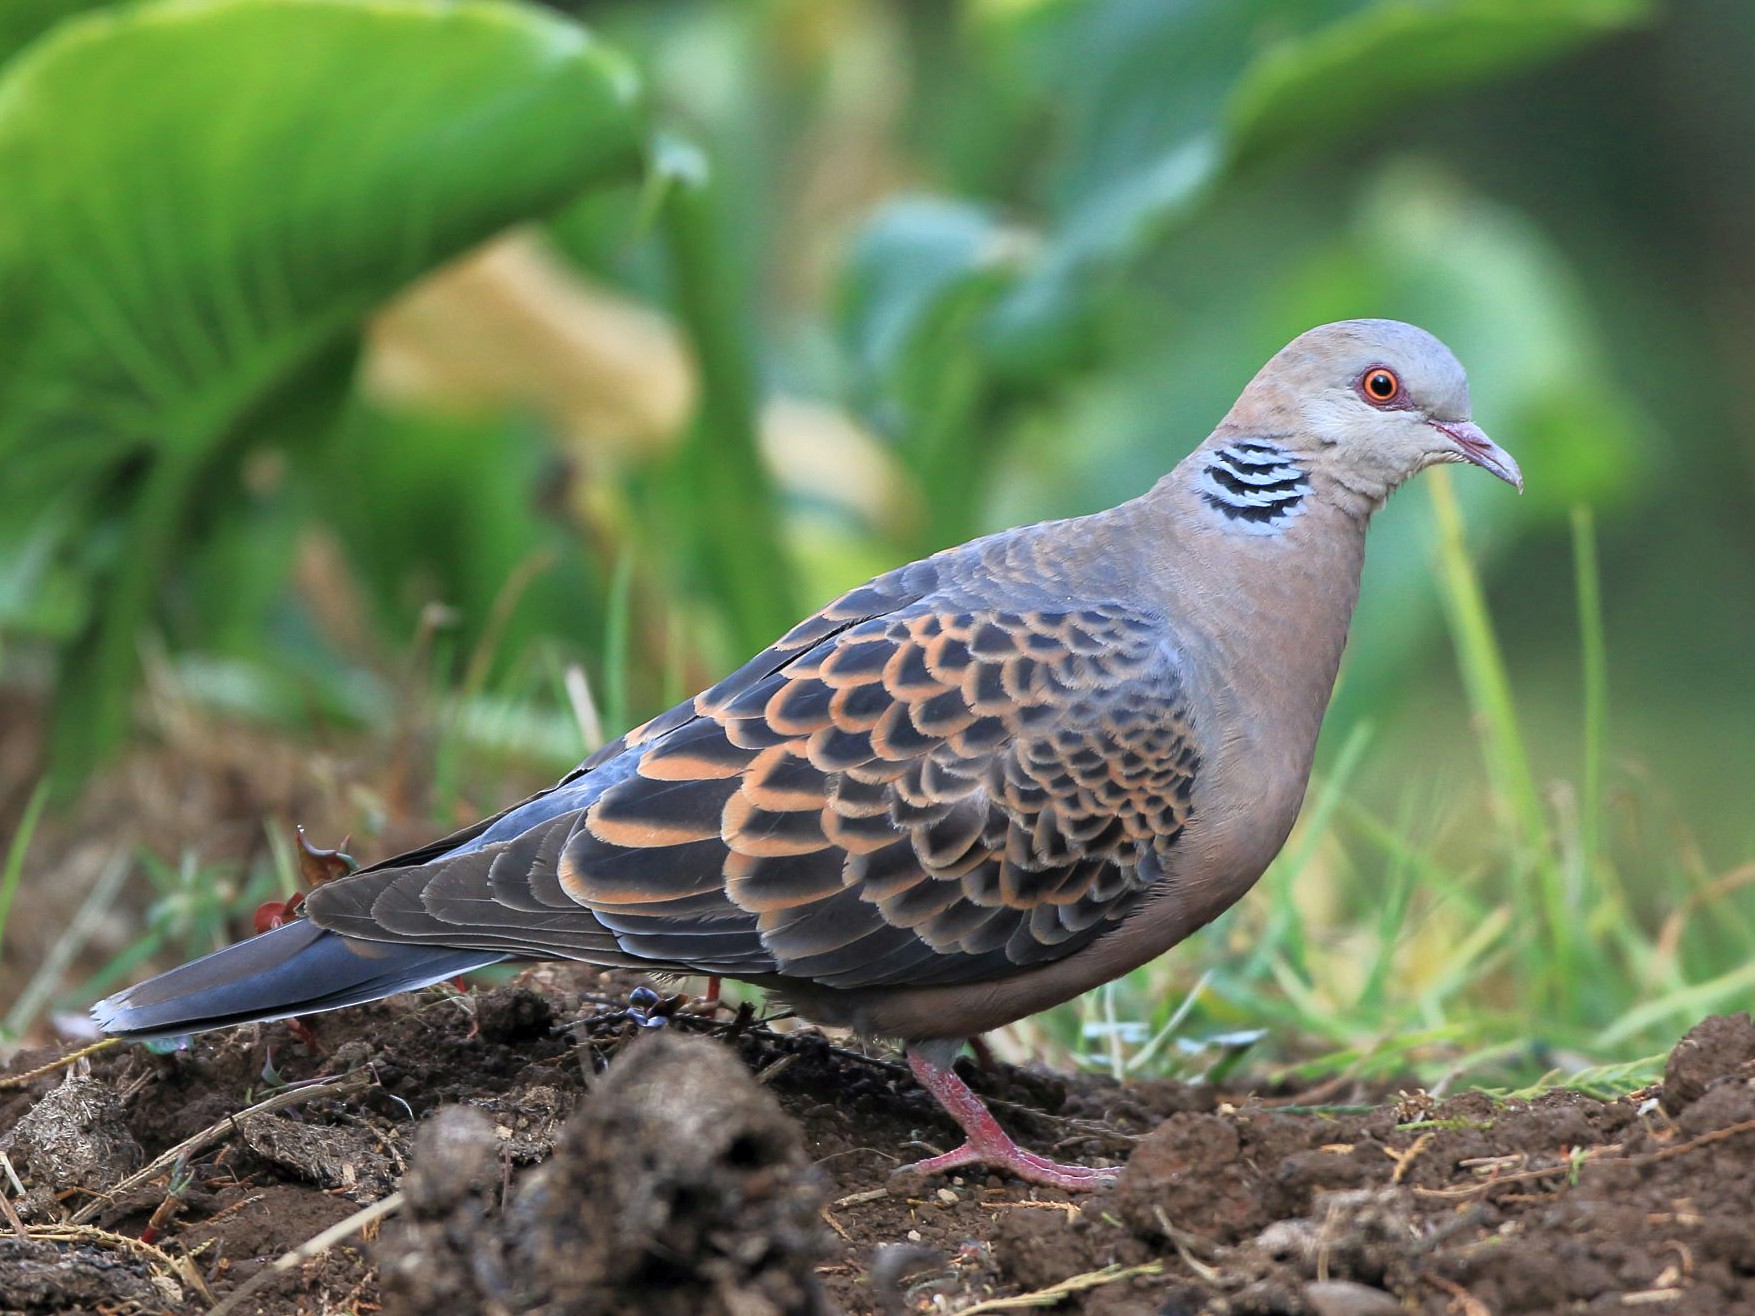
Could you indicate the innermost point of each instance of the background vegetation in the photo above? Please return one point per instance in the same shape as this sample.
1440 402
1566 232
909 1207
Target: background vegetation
449 385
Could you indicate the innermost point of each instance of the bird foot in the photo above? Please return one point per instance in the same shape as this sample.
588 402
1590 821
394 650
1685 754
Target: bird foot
710 1002
988 1144
1013 1159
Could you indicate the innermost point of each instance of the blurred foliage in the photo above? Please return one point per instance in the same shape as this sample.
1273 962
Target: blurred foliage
807 287
179 265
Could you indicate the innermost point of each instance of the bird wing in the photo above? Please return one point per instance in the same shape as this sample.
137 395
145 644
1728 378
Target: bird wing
904 789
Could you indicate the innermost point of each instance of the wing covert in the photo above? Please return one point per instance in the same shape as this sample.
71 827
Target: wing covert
931 796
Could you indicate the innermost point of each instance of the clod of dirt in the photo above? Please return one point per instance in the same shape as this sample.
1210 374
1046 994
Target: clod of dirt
1716 1047
513 1014
75 1137
348 1159
528 1121
1367 1235
679 1187
456 1155
445 1253
1189 1174
36 1275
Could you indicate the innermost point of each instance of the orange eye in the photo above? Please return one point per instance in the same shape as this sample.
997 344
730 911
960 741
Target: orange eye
1380 386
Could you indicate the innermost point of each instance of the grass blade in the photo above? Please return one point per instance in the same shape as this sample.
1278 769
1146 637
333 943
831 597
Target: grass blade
1595 665
15 852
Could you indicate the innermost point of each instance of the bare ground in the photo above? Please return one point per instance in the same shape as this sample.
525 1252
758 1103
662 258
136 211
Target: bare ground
553 1154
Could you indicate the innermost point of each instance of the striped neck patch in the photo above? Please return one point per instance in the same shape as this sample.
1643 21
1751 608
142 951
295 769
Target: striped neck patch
1258 486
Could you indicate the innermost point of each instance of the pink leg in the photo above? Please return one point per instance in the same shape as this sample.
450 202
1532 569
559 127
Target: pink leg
987 1143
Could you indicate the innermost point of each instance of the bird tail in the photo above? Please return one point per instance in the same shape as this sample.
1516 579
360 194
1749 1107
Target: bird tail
298 968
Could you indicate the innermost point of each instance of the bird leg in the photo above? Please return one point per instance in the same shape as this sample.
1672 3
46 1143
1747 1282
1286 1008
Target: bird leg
710 1002
988 1144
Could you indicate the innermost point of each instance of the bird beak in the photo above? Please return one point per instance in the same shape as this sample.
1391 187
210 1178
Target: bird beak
1474 446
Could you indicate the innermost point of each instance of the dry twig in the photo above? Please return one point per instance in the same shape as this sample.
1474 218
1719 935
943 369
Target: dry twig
311 1247
1050 1296
32 1075
1467 1303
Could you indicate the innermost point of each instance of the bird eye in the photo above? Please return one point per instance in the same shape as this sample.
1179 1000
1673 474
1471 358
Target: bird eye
1380 386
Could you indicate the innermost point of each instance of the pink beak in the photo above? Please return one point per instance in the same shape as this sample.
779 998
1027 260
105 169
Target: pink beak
1474 445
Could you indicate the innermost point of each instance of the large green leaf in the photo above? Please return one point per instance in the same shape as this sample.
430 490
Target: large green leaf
1161 102
202 198
1335 78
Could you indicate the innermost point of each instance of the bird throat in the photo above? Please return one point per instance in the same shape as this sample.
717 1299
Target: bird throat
1257 486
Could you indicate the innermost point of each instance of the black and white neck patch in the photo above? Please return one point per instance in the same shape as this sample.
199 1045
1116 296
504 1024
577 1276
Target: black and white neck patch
1258 486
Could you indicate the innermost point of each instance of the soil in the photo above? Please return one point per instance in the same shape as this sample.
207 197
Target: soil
557 1150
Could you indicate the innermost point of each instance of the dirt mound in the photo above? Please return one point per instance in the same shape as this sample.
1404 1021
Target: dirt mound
1468 1205
549 1150
679 1187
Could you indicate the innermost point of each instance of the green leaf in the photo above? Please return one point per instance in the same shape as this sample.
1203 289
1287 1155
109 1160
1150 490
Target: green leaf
1162 103
174 251
907 271
22 21
920 280
1333 80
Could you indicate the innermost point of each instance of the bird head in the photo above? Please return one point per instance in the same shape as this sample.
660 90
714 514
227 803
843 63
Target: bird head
1371 403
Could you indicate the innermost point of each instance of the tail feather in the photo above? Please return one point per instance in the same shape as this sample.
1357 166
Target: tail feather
297 968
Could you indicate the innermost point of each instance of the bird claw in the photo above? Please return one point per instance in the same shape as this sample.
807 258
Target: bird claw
647 1009
1017 1162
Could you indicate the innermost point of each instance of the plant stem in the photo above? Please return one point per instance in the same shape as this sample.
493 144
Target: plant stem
732 508
1482 663
98 678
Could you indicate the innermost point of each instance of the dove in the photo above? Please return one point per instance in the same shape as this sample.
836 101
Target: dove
965 791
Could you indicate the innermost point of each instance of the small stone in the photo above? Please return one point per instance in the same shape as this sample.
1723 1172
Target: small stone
913 1235
893 1264
946 1196
169 1291
1339 1297
349 1056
